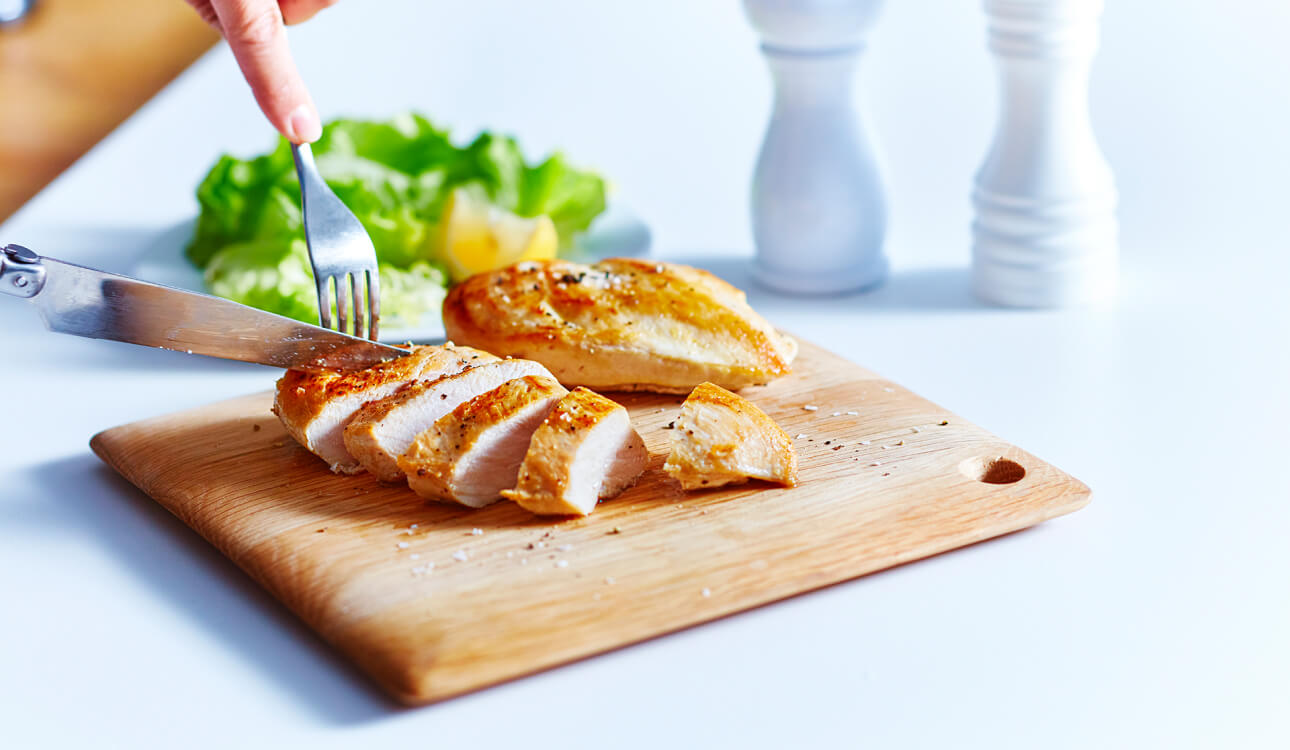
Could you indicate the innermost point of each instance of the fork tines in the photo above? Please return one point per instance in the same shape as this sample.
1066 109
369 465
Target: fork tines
334 288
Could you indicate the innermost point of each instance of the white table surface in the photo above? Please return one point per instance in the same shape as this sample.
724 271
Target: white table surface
1156 617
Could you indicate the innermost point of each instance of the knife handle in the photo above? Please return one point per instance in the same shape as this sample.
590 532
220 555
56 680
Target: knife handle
21 273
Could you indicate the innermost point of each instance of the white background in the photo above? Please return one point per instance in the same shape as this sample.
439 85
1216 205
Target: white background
1156 617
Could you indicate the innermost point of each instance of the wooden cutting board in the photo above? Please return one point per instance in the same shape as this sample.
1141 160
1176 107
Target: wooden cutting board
433 601
79 69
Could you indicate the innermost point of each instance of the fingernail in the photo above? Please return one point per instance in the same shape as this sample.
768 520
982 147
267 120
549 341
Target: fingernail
304 125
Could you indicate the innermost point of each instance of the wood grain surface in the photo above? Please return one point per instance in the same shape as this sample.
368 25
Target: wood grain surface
899 480
74 70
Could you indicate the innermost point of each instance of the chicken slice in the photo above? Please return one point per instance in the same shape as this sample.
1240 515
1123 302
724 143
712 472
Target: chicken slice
315 407
620 324
721 438
382 430
473 453
585 450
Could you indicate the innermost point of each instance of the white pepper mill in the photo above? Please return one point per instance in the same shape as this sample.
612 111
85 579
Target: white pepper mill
818 208
1045 229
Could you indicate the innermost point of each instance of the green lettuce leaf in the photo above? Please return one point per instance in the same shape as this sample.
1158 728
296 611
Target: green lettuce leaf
277 277
571 197
395 175
408 143
410 293
233 197
270 275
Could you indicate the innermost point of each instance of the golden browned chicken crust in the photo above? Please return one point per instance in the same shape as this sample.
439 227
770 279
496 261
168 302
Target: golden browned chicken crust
620 324
584 451
721 438
314 407
437 459
301 395
382 430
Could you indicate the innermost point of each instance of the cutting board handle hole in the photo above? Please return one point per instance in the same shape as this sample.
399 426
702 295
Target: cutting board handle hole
992 470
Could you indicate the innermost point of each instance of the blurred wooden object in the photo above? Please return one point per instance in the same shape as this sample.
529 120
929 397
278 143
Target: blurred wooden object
75 69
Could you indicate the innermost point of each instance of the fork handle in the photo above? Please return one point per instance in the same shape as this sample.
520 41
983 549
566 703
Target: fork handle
311 183
307 174
306 169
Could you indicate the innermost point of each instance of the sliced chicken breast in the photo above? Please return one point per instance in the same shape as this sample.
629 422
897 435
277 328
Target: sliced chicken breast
473 453
315 407
721 438
585 450
621 324
382 430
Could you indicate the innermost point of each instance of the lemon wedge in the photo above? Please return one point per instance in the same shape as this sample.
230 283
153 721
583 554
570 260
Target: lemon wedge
478 236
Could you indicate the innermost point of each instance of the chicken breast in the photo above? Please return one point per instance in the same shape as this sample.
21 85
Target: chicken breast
473 453
382 430
585 450
315 407
721 438
620 324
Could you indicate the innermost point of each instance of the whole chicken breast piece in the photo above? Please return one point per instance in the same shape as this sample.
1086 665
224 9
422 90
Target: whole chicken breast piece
621 324
315 407
382 430
585 450
721 438
474 452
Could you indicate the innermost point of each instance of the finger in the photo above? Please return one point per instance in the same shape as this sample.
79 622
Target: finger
299 11
255 32
204 9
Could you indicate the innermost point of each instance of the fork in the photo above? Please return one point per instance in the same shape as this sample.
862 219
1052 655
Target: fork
339 250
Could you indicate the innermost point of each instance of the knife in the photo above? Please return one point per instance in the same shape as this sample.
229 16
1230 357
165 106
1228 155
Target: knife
100 305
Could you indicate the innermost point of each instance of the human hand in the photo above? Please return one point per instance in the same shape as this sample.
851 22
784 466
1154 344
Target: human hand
256 32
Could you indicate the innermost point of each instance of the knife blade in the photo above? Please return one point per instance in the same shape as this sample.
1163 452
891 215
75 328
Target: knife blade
99 305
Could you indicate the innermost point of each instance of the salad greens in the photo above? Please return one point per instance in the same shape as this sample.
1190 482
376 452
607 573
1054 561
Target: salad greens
395 176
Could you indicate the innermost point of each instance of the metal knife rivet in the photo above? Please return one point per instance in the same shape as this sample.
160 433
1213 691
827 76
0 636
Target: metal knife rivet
20 281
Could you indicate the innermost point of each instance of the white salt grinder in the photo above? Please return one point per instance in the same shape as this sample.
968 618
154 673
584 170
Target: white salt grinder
818 209
1045 229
